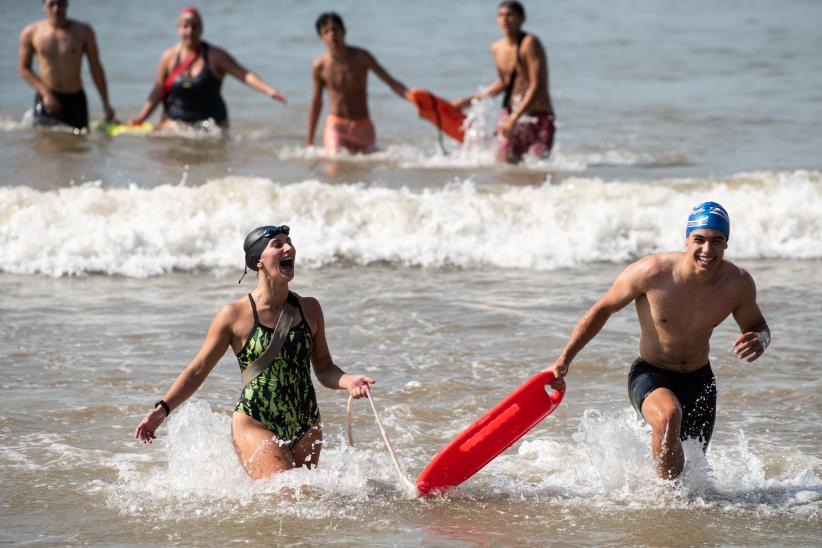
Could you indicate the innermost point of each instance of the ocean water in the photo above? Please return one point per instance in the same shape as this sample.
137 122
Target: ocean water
447 277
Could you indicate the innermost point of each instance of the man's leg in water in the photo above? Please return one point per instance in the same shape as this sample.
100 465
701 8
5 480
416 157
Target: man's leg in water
662 411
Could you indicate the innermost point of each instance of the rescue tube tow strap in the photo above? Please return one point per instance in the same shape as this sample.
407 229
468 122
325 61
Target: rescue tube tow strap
509 90
407 484
179 69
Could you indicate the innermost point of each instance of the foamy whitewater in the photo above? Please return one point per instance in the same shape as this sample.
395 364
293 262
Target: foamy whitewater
611 456
139 232
446 276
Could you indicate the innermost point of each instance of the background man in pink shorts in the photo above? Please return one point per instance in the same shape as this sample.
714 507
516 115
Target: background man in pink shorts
343 69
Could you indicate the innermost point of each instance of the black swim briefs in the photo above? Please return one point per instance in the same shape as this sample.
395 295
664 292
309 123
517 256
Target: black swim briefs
696 392
73 111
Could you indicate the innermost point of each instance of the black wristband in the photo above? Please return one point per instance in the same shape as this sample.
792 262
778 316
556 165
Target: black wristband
166 408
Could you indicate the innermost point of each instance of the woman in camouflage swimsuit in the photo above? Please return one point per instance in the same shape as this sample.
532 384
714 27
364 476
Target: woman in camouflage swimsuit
276 422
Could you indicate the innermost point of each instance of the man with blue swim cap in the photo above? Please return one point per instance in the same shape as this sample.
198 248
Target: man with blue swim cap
709 215
680 298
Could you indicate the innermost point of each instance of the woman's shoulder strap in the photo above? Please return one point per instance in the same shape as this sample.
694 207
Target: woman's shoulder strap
253 309
294 300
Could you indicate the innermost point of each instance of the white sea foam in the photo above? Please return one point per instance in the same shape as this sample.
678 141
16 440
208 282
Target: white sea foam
14 124
196 471
608 464
479 150
148 231
193 471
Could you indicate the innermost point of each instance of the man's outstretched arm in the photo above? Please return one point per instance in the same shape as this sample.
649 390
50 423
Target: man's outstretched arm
97 72
397 86
629 285
25 59
315 106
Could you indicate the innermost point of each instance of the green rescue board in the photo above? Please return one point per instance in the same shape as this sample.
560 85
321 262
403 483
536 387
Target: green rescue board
113 129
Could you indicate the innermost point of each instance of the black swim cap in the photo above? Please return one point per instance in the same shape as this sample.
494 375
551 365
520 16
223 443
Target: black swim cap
257 240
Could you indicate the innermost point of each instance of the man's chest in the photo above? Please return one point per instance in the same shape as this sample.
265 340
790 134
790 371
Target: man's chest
58 44
689 309
344 75
505 57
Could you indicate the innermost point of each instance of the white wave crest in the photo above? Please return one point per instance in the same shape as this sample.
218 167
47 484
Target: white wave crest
148 231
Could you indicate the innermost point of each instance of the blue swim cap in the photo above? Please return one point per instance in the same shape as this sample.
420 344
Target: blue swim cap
709 215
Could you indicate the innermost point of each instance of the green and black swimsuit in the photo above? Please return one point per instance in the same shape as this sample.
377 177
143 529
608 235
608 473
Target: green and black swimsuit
282 397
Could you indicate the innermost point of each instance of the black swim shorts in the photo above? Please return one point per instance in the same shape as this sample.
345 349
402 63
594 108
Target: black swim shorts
73 111
696 392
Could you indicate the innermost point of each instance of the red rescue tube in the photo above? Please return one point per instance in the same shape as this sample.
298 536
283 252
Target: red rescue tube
439 112
492 434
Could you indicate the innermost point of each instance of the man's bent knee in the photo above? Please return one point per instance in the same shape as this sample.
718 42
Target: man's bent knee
662 410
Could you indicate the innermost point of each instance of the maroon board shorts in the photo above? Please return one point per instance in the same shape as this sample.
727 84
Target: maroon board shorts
533 133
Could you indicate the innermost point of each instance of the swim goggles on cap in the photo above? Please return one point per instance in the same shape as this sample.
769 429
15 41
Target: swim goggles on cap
271 231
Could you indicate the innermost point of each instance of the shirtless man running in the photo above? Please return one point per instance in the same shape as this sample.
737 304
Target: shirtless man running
60 44
343 69
526 123
680 298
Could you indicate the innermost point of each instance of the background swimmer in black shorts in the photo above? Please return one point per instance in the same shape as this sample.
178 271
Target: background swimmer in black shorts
59 44
680 298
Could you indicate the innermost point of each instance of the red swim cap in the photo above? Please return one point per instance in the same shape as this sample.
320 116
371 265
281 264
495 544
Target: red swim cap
192 11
